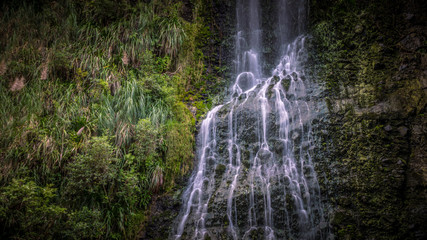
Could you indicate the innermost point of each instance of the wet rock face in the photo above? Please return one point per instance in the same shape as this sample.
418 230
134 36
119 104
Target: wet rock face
371 145
255 177
162 213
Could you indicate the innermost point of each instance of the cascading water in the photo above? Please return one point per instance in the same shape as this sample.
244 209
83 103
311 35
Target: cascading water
248 40
255 177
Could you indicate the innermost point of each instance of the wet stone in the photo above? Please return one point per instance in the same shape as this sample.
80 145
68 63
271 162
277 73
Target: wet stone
388 128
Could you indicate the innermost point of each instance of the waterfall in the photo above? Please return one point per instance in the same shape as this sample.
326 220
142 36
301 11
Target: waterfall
292 18
255 177
248 39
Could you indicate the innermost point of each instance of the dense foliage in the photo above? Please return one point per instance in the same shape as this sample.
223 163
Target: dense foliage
94 112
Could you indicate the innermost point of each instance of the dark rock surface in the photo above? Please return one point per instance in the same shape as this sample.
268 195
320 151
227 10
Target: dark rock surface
162 213
372 154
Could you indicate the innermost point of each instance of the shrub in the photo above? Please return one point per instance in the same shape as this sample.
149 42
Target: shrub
104 190
27 211
85 224
90 173
179 142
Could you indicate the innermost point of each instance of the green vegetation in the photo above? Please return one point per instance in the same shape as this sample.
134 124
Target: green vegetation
94 114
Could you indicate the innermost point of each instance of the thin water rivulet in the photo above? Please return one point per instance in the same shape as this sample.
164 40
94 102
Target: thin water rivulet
254 177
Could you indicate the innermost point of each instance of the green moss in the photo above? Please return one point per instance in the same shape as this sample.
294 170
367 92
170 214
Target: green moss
220 169
286 82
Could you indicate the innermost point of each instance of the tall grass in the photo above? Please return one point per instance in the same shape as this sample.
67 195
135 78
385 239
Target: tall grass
39 125
120 113
153 28
33 39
